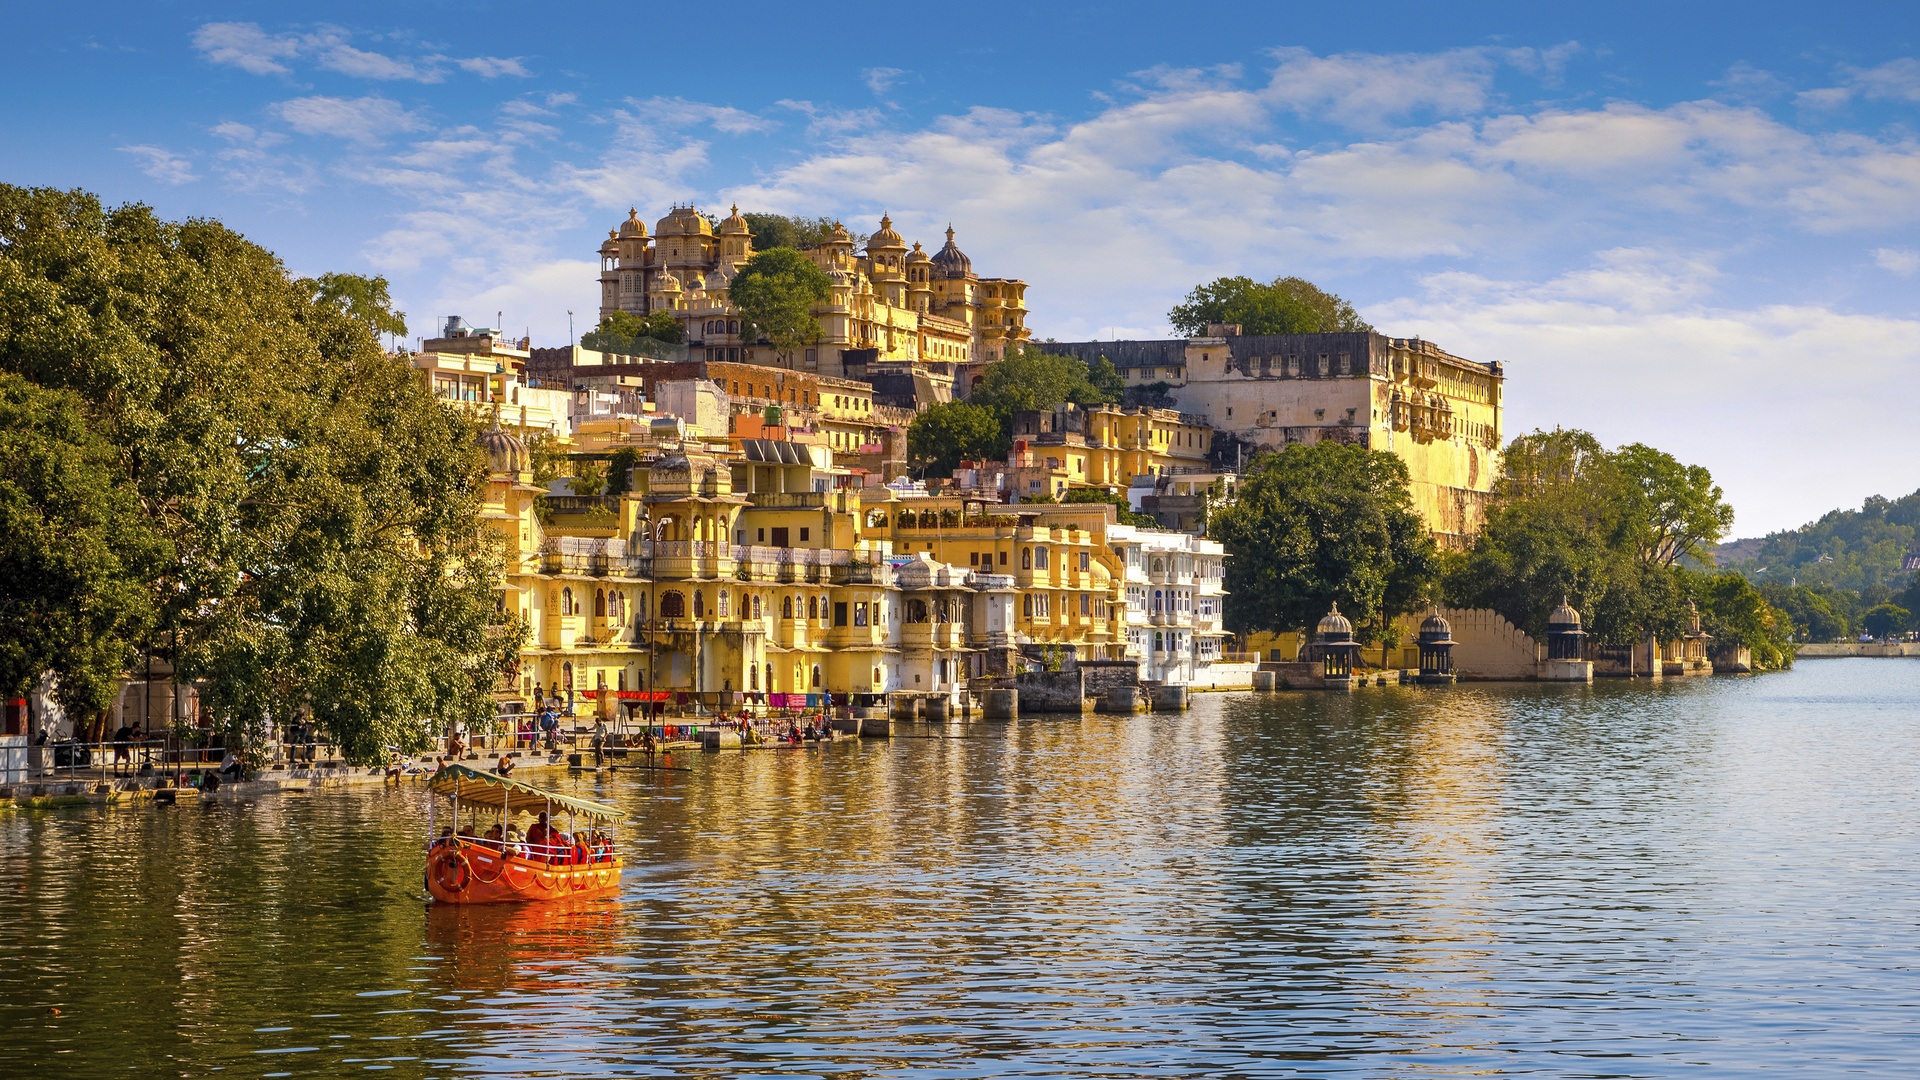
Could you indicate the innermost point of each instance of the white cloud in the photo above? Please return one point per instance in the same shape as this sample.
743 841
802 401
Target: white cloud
162 164
360 64
366 120
1897 260
492 67
675 113
1895 80
882 79
247 47
1368 89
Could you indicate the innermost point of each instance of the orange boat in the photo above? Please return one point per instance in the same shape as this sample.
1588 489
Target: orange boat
549 863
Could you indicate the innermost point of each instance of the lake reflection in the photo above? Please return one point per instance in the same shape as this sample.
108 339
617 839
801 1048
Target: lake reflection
1705 877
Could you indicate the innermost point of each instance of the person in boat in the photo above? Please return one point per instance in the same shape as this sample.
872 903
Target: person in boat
466 833
513 845
541 838
445 838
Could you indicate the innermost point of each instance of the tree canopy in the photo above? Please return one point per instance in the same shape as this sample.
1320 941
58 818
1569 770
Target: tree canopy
1323 524
1603 528
1125 514
317 508
775 293
1286 305
952 432
1031 378
363 299
630 334
76 552
796 231
1850 549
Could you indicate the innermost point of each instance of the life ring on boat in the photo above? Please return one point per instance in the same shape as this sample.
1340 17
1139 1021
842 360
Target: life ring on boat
450 871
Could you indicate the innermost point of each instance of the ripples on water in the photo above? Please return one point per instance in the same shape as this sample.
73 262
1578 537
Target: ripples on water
1709 878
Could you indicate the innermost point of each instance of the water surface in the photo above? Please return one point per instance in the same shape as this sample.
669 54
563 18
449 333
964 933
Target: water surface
1702 878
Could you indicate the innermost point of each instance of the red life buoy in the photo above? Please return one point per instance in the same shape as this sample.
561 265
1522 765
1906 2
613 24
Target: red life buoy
450 871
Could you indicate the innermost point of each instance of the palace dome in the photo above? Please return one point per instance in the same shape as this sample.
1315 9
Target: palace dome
505 453
951 261
1335 624
1564 617
683 221
1436 629
633 226
918 256
886 238
735 225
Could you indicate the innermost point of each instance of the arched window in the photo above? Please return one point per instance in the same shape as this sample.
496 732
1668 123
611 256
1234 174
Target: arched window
673 605
566 674
769 676
566 601
1026 558
786 607
916 610
816 676
733 327
813 607
1026 605
599 604
753 677
756 607
1156 601
726 602
699 604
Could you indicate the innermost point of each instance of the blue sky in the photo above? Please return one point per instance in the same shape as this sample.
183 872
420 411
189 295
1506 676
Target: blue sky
1691 225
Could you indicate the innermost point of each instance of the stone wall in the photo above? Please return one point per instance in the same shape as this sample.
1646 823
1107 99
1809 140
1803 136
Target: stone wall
1042 691
1488 647
1221 675
1296 675
1101 676
1858 648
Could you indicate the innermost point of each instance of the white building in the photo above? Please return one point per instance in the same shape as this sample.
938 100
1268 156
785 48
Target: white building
1173 585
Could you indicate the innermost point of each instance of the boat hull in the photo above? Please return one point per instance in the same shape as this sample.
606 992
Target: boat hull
474 874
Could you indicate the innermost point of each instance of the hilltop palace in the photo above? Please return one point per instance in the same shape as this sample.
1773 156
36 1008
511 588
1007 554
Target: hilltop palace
890 305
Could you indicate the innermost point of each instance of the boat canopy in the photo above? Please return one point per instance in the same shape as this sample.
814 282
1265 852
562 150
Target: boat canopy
491 789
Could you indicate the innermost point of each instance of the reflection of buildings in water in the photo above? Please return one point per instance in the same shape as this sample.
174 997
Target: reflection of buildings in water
1434 782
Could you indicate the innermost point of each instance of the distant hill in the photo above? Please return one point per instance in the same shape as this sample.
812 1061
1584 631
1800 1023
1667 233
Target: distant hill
1848 549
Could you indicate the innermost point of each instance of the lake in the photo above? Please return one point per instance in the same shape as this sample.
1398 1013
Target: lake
1701 878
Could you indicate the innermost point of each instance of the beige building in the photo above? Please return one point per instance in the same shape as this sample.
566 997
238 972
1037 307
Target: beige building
889 304
1442 414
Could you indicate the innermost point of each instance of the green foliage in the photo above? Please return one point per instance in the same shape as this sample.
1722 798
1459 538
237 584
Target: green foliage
793 231
627 334
363 299
775 292
1107 382
1736 613
952 432
320 506
1287 305
1042 499
548 460
620 471
76 552
1029 378
1603 529
1815 613
1849 549
1886 620
589 479
1320 524
1125 514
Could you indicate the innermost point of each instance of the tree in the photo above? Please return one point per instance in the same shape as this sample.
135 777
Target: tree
1288 305
1125 514
1108 385
320 506
1810 611
620 471
1737 614
589 479
1886 620
76 552
952 432
1669 511
1029 378
627 334
1318 525
363 299
1605 529
775 293
795 231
